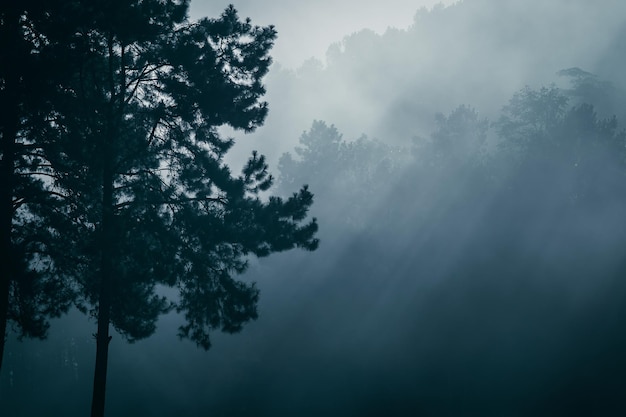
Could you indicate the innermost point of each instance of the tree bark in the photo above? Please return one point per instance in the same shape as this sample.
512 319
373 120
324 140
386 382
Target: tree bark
104 319
6 219
106 248
6 216
9 122
104 302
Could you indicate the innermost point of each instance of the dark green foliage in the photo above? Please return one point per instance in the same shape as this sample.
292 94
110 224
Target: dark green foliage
31 290
140 116
117 177
38 290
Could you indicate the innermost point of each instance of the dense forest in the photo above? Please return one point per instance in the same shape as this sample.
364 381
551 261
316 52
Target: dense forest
468 175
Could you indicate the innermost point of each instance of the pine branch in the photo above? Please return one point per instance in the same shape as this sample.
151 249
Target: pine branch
175 202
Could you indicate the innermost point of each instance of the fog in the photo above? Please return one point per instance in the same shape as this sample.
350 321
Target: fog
389 83
468 162
306 29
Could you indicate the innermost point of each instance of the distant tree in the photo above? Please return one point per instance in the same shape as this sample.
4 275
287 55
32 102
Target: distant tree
585 87
138 161
531 116
443 187
540 127
558 162
318 157
349 176
458 140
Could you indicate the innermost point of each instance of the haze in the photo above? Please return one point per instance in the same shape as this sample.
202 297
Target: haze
306 29
469 171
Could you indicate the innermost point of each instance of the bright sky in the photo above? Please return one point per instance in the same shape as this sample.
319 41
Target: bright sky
306 28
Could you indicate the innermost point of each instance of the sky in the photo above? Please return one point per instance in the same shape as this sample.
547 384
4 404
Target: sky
307 28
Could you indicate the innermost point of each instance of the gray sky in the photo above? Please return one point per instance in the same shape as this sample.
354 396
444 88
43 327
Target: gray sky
307 28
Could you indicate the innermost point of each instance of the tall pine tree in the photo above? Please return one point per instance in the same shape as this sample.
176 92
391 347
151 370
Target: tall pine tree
136 154
31 289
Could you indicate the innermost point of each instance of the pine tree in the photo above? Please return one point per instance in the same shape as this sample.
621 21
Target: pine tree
137 156
31 290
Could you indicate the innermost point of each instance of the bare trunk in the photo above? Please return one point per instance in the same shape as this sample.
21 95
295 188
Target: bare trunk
106 249
104 302
102 344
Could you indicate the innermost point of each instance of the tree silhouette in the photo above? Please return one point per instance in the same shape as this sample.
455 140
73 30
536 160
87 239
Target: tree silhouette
31 290
348 176
553 146
138 162
584 87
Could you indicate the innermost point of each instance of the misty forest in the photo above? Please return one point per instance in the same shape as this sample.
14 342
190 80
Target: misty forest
425 221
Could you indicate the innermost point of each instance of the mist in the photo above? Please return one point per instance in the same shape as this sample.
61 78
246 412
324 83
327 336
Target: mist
468 166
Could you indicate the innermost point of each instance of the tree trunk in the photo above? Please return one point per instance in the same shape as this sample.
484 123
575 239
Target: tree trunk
106 248
104 302
5 266
102 353
9 121
6 220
